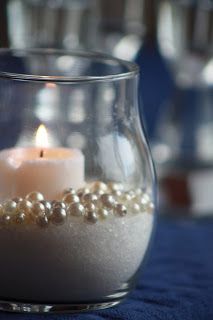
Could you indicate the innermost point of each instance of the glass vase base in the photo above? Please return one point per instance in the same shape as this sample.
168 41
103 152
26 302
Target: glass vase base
22 307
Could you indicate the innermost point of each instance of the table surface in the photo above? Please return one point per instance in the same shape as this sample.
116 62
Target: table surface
176 283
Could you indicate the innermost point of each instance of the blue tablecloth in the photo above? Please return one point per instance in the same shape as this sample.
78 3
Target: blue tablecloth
176 284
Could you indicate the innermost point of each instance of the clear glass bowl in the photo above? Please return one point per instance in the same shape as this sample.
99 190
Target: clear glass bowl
77 182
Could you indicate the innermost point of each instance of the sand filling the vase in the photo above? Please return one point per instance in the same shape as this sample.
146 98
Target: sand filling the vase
86 247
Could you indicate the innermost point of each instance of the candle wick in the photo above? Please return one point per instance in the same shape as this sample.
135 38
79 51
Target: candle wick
41 154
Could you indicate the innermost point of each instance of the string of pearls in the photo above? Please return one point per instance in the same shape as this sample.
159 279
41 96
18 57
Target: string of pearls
97 201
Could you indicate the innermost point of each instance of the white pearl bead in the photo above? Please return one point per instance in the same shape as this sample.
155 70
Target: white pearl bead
48 207
25 206
89 206
103 213
113 186
38 208
90 197
35 196
17 199
47 204
91 217
144 199
10 207
135 208
71 198
69 190
126 197
120 210
144 202
98 185
107 200
150 207
20 218
58 215
98 193
42 221
5 219
132 194
117 194
81 192
60 204
76 209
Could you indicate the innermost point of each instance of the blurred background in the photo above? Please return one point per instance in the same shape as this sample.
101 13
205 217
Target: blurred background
172 41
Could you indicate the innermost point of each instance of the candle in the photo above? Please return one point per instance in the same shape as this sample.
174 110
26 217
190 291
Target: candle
43 169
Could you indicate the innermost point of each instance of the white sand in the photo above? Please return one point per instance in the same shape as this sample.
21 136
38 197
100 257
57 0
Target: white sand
73 262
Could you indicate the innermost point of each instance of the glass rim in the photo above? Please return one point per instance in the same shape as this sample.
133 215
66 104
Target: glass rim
132 68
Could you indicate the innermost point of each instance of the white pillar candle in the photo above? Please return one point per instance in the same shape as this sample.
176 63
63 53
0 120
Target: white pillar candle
47 170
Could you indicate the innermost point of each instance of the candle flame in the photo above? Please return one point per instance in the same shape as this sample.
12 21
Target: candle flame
41 138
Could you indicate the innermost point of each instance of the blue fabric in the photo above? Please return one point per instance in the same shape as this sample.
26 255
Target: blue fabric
176 284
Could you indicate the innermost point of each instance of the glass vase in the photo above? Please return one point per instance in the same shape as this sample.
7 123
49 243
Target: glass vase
77 185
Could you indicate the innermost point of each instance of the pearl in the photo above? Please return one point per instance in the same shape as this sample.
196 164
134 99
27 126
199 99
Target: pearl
10 207
144 199
20 218
25 206
47 204
117 193
48 207
38 208
90 206
99 193
17 199
115 186
98 185
76 209
90 197
135 208
81 192
91 217
120 210
42 221
58 204
71 198
144 202
5 219
69 190
103 213
35 196
150 207
58 215
126 197
107 200
132 194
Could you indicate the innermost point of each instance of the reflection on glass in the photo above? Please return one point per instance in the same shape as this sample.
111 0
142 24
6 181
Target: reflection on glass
52 23
123 27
